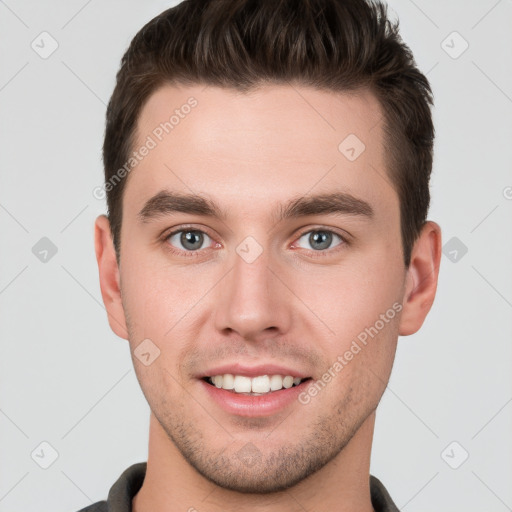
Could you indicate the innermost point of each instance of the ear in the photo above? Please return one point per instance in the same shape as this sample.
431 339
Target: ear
109 276
421 279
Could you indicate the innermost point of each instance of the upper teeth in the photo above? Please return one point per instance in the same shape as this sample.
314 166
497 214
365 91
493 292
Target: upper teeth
260 384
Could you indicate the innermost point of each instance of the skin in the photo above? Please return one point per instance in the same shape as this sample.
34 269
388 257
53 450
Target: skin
249 153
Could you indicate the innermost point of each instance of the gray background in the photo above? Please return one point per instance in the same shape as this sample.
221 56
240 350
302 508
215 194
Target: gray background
67 380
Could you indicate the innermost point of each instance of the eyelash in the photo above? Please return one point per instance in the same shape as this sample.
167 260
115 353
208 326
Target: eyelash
187 254
325 252
197 253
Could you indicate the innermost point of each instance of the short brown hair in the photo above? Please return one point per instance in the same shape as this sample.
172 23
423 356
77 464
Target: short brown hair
334 45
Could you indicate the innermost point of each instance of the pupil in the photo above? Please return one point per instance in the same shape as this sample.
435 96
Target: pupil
322 237
192 237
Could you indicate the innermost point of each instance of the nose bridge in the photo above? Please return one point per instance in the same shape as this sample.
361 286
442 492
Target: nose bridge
251 300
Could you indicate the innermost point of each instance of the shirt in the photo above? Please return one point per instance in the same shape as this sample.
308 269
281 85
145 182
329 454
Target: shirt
128 484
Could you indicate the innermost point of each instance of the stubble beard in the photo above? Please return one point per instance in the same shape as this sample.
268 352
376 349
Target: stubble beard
249 467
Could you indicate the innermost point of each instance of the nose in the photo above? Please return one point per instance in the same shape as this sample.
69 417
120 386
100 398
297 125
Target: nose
252 301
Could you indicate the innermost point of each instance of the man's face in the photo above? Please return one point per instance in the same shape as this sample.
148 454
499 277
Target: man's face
252 294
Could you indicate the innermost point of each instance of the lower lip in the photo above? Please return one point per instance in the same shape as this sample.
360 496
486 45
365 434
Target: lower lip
254 405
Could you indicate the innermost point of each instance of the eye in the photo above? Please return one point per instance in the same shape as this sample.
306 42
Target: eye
189 239
320 239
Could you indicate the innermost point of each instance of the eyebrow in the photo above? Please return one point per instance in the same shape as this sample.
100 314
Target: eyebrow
337 203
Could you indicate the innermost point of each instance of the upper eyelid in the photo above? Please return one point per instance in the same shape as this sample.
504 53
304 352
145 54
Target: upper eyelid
329 230
169 232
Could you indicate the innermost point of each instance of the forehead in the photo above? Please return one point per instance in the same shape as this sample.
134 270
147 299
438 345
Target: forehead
263 146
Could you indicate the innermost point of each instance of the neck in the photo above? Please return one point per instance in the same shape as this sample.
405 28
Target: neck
172 484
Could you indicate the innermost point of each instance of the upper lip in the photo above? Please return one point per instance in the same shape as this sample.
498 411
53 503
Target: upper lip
253 371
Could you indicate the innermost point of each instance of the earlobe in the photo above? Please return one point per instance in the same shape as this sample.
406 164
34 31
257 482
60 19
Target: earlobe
109 276
421 279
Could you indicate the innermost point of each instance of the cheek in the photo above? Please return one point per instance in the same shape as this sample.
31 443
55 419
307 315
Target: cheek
158 296
351 297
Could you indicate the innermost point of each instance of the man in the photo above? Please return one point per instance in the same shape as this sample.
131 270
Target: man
267 167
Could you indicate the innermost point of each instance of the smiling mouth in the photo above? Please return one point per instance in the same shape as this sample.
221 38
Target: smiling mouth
254 386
